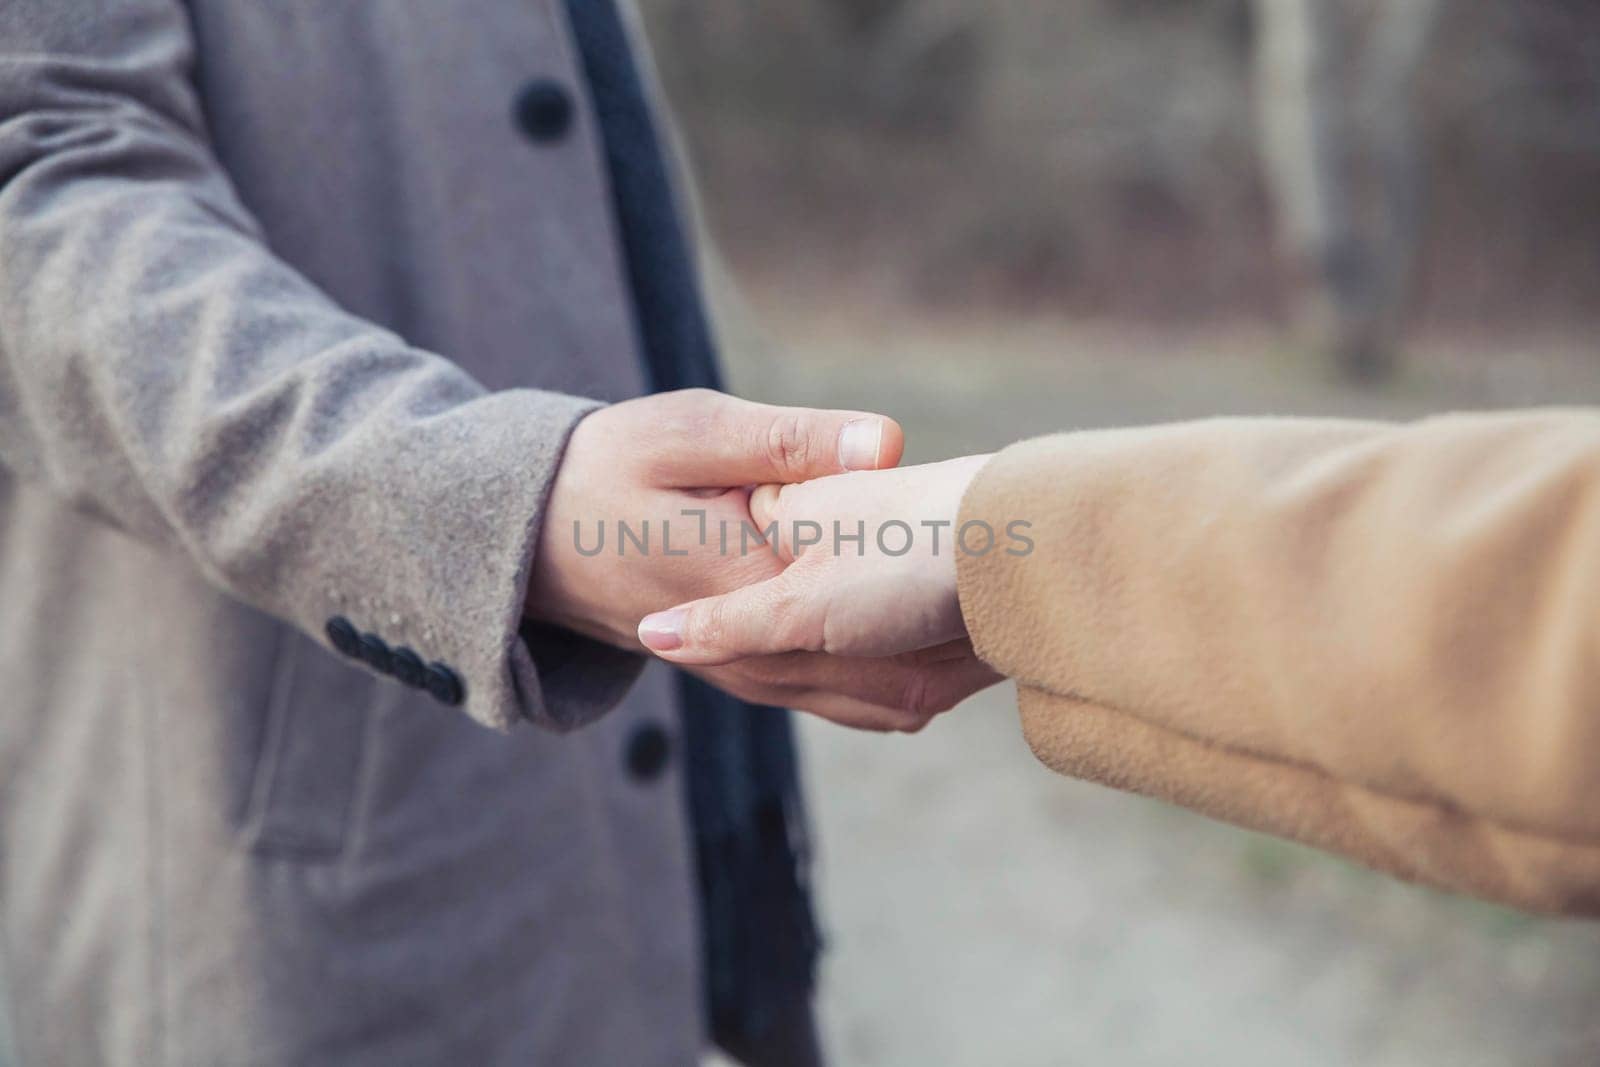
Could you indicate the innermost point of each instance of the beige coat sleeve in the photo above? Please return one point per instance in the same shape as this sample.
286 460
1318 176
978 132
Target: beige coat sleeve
1381 640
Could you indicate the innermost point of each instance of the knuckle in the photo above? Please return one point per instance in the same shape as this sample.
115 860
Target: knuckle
914 692
913 724
788 445
922 697
783 605
707 626
793 632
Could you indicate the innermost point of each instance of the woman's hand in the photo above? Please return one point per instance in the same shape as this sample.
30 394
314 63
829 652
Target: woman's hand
871 572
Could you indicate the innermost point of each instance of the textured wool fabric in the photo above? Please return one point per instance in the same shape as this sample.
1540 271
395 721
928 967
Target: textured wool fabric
309 462
294 324
1378 639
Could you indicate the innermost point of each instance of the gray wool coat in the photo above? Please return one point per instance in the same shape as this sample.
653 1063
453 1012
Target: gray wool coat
297 309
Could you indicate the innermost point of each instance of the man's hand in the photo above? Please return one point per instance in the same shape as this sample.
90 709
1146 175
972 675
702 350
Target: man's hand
871 572
682 463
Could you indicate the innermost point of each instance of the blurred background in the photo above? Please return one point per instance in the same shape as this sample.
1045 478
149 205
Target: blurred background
1359 175
999 218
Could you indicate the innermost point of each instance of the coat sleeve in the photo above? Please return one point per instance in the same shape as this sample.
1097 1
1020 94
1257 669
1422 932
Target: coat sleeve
162 370
1383 640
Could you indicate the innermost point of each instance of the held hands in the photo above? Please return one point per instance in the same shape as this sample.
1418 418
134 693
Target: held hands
870 570
675 470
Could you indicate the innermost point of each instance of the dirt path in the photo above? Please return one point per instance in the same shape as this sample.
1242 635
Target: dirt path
983 911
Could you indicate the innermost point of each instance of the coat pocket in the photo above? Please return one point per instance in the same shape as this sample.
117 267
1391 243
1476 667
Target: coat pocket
307 778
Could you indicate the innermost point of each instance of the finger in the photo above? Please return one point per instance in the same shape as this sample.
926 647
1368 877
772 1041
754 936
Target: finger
860 715
766 503
932 691
926 687
756 620
708 439
841 710
948 683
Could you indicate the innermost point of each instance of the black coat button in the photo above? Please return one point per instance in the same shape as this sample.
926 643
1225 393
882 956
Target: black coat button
443 683
375 653
343 636
543 110
649 749
408 667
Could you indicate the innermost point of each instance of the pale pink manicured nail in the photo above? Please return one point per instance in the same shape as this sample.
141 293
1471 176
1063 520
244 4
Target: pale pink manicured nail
663 631
859 442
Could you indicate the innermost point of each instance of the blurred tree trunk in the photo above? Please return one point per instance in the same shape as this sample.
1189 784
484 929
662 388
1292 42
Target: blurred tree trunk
1349 282
1402 33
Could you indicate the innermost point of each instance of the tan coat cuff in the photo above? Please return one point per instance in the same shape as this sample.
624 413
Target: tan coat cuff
1416 840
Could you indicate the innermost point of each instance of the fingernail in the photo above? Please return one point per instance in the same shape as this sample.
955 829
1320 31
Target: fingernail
858 444
663 631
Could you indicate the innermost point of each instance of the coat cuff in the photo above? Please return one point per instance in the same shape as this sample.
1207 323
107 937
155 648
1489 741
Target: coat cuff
991 586
442 525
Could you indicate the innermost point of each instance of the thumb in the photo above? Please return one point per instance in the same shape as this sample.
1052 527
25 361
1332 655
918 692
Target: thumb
761 619
711 440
